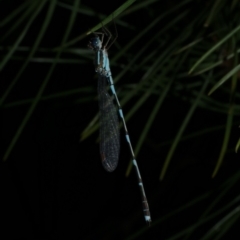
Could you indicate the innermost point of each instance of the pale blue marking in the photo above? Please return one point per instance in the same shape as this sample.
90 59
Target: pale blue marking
113 90
127 137
147 218
120 112
98 58
107 66
110 80
105 60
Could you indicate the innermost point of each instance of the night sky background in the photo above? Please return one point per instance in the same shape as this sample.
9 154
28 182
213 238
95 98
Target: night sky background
53 185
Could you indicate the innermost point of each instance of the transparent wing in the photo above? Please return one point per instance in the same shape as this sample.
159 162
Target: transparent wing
109 127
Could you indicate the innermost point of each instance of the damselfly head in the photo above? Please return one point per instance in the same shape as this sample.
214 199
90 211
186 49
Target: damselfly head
95 43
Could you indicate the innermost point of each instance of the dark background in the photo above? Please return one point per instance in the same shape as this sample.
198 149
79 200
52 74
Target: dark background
53 185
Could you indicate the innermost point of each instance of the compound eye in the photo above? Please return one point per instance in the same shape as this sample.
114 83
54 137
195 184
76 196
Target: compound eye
95 42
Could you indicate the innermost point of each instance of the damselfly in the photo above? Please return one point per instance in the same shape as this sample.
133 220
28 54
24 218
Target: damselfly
109 124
